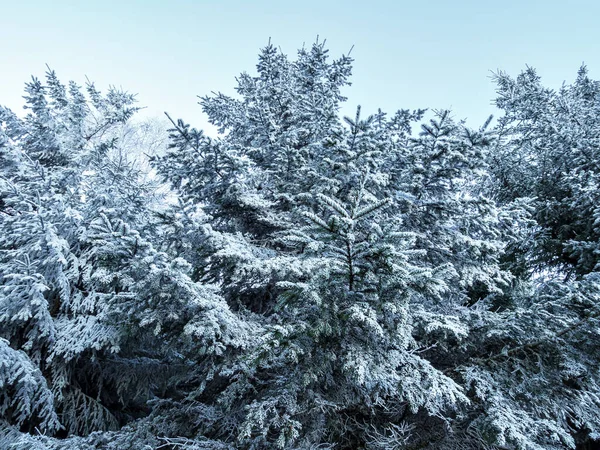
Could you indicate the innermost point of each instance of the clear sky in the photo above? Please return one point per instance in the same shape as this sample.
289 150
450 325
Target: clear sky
413 54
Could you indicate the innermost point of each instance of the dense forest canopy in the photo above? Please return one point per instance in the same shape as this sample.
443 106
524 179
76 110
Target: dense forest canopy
303 280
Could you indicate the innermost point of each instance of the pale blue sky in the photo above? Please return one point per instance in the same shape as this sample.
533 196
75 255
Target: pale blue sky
407 54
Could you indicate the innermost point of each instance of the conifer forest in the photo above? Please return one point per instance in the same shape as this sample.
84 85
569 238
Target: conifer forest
303 280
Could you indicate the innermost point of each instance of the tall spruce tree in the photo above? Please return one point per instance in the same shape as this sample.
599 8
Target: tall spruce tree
404 243
92 315
544 157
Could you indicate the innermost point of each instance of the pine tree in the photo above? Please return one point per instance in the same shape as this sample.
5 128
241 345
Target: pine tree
543 155
548 150
355 273
93 317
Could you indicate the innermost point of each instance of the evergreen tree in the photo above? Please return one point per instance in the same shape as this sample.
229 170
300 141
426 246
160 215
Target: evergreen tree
92 315
387 291
548 149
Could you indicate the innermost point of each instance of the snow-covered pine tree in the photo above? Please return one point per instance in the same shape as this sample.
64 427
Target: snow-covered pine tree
549 150
253 202
94 319
537 369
